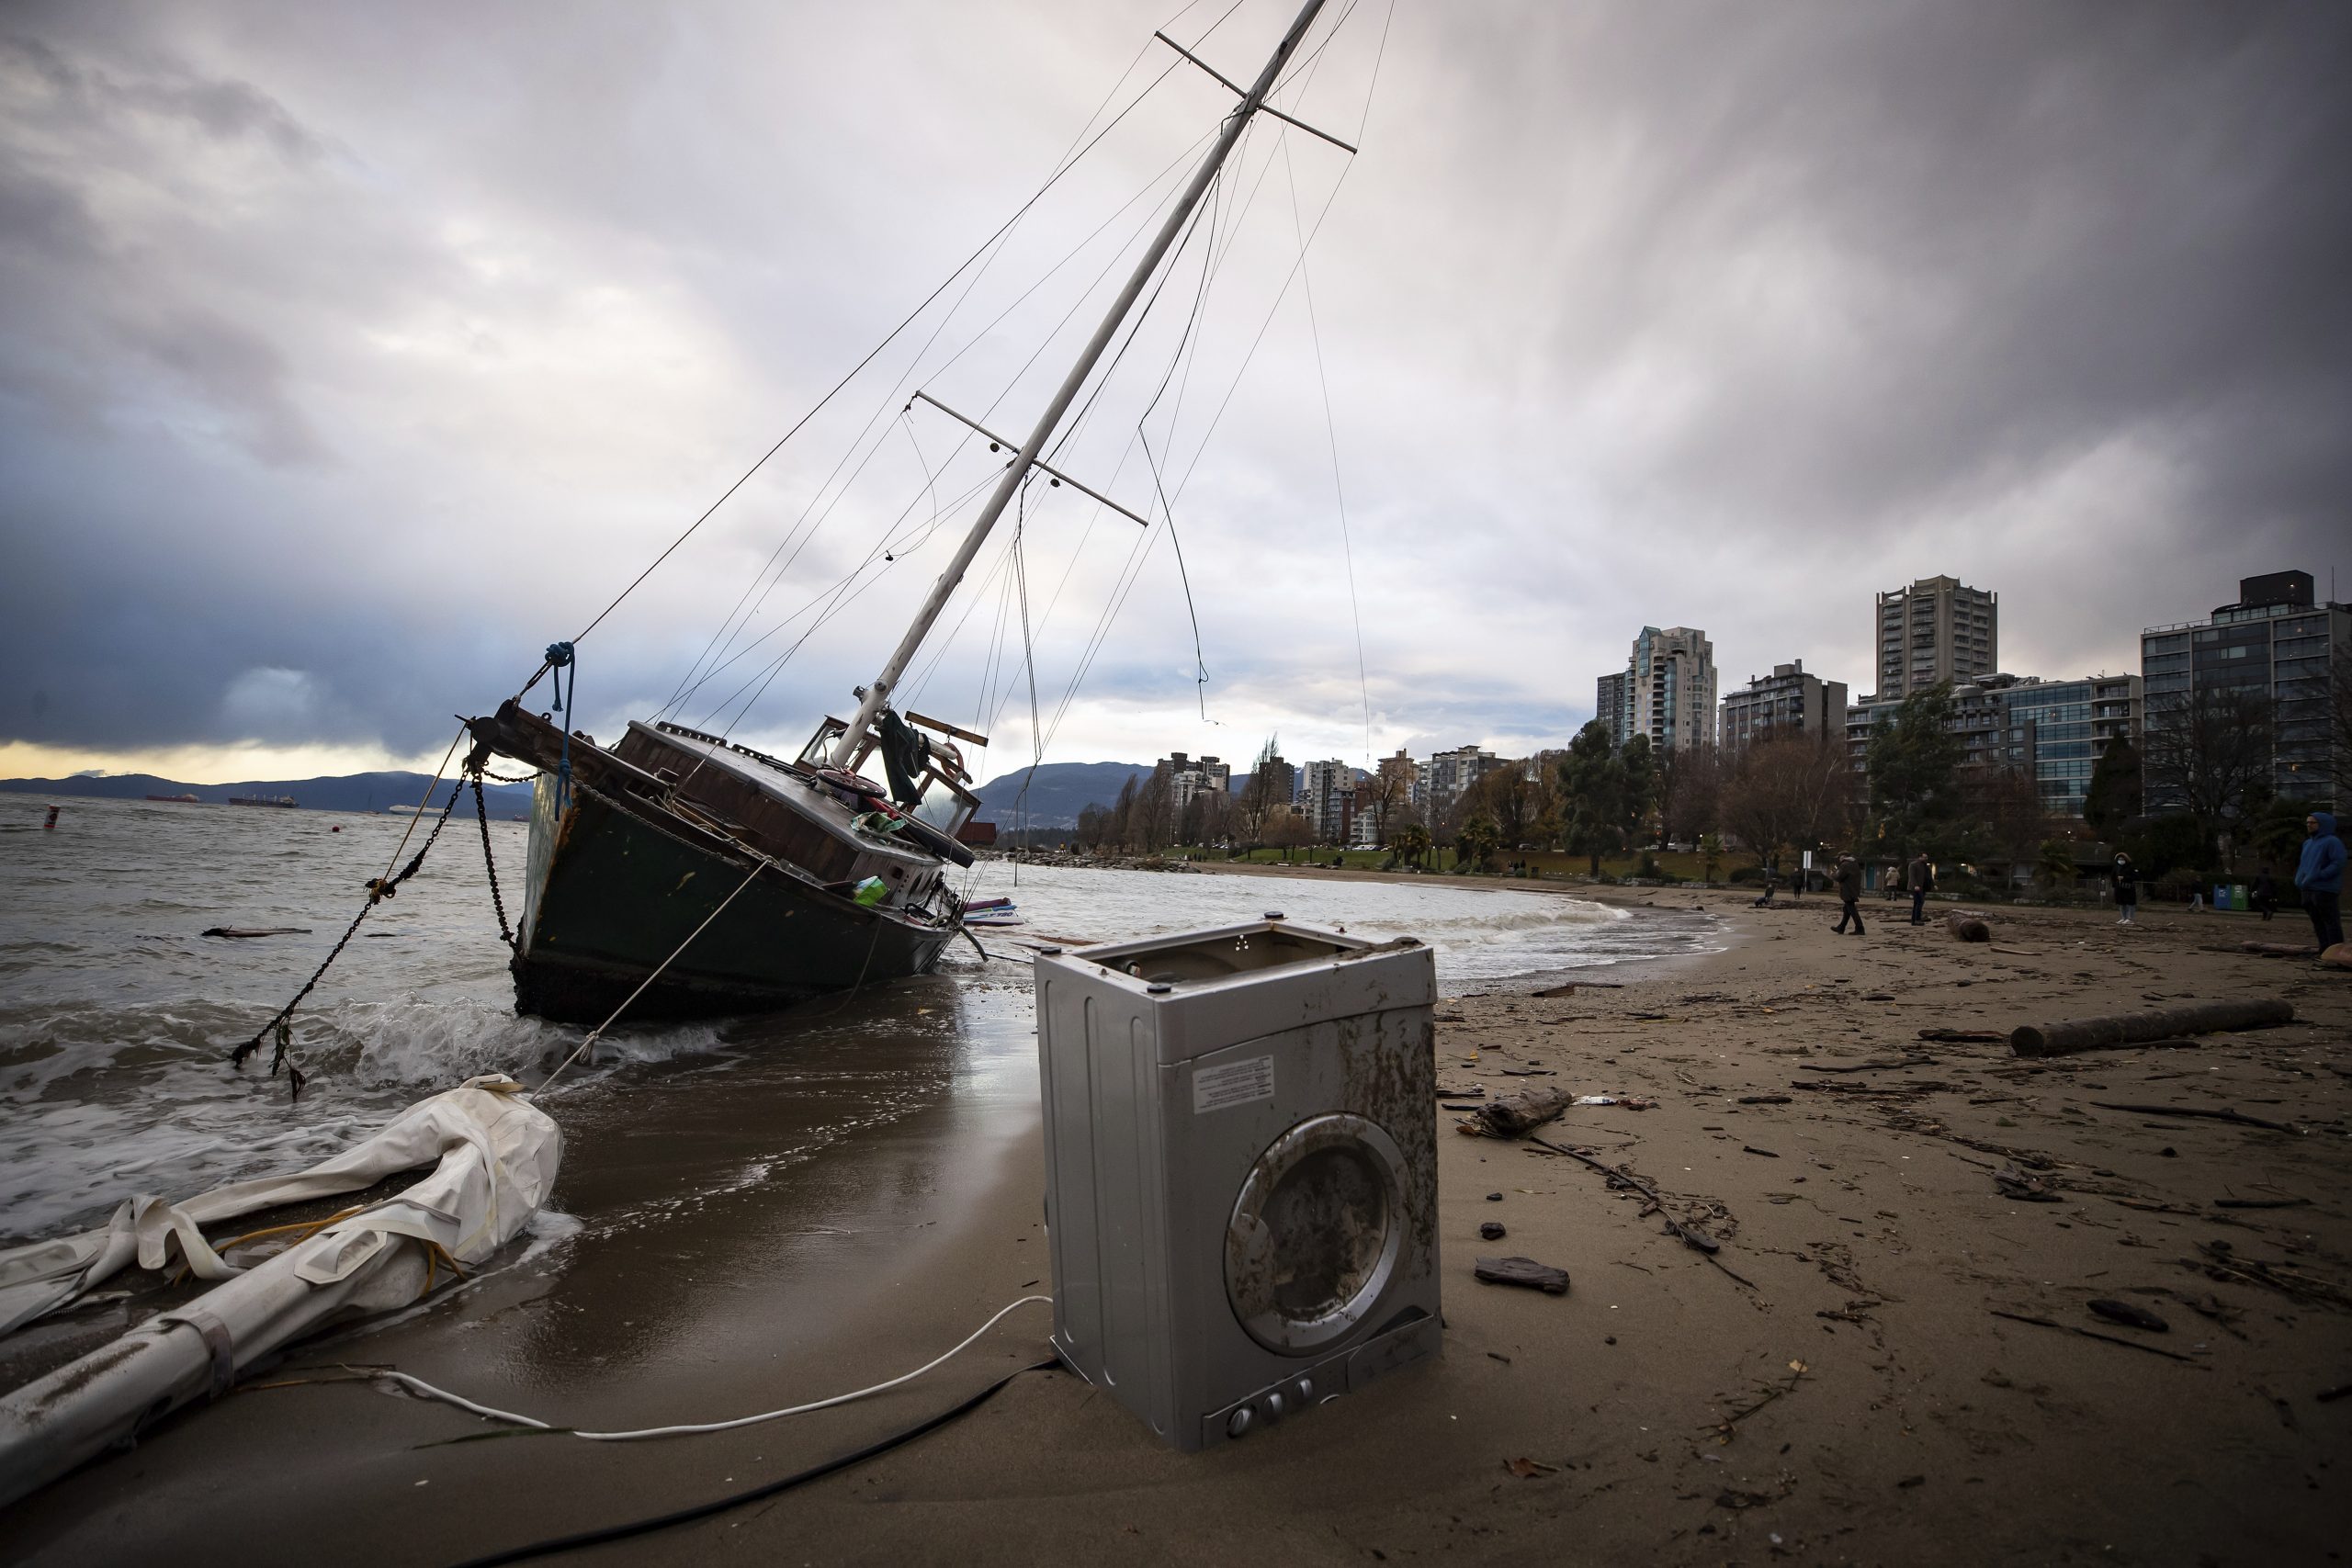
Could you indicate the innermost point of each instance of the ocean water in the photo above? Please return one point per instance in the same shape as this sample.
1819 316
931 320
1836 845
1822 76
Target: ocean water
117 1014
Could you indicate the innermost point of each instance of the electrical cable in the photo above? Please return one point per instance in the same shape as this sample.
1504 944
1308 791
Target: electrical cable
688 1515
418 1385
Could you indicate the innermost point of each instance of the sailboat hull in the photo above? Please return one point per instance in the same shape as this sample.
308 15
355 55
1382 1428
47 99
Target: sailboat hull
612 894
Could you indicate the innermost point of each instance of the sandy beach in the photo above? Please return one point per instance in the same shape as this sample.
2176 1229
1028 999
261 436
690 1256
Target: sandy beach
1833 1385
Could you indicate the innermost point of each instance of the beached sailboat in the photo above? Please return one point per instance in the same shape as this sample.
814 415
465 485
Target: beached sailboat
678 873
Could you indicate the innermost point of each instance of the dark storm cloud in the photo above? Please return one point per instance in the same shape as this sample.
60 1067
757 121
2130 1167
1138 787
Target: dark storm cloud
348 355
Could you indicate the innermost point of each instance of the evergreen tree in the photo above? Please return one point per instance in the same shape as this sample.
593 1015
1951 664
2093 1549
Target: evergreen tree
1913 768
1592 793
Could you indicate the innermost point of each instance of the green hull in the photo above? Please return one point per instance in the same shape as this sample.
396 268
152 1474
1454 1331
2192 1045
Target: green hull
611 895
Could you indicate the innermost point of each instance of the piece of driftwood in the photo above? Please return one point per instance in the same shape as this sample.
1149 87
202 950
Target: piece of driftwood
2024 1189
2221 1113
2135 1028
2095 1334
242 931
2261 1203
2221 1261
1515 1116
1967 928
1523 1271
1961 1036
1697 1240
2276 948
2129 1314
1924 1086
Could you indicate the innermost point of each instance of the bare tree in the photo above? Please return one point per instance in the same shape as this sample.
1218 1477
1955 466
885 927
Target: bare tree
2209 753
2004 804
1257 800
1691 806
1154 814
1790 793
1512 802
1385 793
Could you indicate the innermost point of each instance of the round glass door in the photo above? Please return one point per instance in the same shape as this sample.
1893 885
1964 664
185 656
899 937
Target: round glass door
1315 1233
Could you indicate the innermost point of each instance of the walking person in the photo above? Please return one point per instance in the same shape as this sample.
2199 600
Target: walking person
2319 878
1922 879
1850 894
2127 888
2266 894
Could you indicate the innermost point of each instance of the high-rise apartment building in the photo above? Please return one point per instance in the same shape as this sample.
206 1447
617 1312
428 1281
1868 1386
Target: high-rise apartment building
1787 701
1613 703
1447 776
1328 800
1190 776
1281 786
2277 641
1671 689
1935 630
2054 731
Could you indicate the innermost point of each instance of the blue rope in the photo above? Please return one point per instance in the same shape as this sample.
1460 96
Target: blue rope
559 658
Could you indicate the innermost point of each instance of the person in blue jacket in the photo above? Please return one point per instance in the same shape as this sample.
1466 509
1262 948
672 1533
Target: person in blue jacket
2319 878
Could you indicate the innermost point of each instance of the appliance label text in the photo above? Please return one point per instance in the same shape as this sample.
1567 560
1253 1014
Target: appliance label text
1236 1083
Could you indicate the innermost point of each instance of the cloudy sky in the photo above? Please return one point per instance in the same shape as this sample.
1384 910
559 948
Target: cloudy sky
351 354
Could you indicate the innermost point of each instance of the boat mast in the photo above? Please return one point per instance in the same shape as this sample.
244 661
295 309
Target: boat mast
876 695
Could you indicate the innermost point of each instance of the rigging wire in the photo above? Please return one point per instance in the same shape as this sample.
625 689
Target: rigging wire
1332 436
1070 161
1067 162
1141 551
875 550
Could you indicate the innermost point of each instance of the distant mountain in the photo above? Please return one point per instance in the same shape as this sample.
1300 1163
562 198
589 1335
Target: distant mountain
1059 792
352 792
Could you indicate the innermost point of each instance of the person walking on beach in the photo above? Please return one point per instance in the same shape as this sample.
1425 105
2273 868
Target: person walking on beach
2127 888
2266 894
1850 894
2319 878
1922 879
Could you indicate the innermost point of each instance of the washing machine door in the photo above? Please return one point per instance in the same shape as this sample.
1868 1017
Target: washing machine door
1316 1234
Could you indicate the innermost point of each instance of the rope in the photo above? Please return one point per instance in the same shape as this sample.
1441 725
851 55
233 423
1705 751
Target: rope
596 1033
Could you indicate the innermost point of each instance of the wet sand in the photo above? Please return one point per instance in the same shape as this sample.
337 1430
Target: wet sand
1656 1403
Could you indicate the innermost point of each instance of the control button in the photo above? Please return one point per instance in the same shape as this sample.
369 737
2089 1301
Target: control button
1274 1407
1304 1391
1238 1422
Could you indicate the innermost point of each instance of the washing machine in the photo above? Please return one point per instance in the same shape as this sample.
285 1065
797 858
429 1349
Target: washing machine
1241 1169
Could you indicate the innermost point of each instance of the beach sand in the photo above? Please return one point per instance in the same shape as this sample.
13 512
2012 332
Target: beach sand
1834 1387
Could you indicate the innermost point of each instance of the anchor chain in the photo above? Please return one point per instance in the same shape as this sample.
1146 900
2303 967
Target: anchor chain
490 862
378 889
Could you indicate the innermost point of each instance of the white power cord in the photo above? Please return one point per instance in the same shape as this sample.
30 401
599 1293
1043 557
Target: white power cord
418 1385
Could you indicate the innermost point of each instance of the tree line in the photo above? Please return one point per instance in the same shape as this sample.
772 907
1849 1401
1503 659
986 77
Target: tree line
2194 796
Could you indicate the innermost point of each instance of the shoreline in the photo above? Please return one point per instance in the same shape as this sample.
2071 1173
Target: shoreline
1857 1207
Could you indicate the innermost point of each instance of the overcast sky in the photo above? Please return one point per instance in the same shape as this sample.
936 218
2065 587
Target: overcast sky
349 354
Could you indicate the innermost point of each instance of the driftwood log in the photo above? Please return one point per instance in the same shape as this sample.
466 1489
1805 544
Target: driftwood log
2145 1028
1513 1115
1967 928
